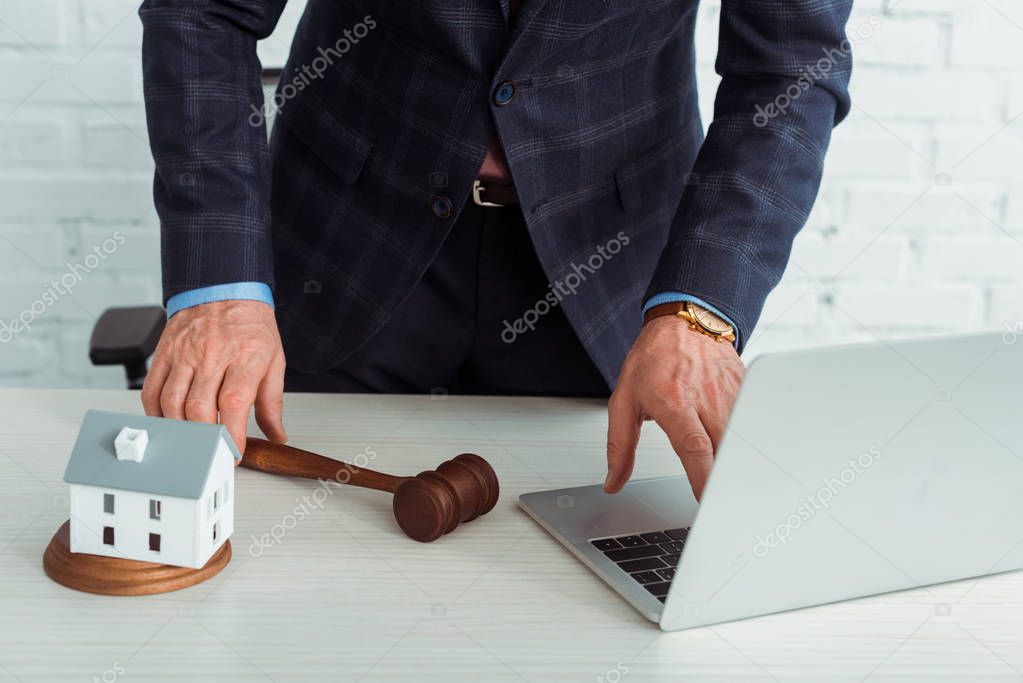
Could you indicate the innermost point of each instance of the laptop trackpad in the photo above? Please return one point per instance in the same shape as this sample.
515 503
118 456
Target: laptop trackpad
585 512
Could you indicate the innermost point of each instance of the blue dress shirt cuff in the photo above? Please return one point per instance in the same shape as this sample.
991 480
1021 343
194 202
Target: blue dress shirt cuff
673 297
248 291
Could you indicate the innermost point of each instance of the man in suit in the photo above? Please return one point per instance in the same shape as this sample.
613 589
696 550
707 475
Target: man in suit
483 196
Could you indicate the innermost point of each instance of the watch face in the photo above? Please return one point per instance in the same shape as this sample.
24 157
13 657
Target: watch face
709 321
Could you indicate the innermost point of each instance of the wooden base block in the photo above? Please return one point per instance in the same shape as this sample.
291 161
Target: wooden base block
112 576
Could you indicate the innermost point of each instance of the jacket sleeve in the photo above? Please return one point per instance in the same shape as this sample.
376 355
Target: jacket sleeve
204 104
785 69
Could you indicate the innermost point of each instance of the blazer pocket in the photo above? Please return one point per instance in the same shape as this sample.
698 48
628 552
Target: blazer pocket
654 177
341 148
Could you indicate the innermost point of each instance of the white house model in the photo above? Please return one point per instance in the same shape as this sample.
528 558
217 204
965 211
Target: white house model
150 488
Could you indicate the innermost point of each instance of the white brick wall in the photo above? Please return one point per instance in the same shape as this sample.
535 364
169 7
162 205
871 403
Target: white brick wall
919 227
918 230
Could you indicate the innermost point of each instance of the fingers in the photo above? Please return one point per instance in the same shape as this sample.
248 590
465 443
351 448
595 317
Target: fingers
175 391
690 442
714 422
153 386
624 421
719 398
270 402
201 402
236 397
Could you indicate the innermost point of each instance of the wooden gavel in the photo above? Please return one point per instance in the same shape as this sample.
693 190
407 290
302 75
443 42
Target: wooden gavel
426 506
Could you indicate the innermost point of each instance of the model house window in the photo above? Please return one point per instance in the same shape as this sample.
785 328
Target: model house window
216 500
154 509
108 535
223 493
216 531
154 542
108 503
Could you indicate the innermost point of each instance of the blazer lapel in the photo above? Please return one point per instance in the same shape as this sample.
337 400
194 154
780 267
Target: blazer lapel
528 13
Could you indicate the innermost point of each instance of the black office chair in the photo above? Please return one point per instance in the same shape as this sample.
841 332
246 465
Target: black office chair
127 336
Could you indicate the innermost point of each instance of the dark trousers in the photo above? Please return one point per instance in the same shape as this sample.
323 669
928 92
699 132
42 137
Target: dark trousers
478 322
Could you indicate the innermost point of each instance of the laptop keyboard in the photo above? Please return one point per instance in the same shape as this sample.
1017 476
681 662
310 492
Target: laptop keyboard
650 558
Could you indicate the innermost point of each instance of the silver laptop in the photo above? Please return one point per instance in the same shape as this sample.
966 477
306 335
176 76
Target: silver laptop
844 472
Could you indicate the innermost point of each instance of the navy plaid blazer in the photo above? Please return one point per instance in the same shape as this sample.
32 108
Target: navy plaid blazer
386 109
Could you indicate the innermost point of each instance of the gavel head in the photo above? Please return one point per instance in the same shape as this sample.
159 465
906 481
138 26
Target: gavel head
433 503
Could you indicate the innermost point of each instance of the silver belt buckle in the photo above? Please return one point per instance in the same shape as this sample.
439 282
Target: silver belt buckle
477 189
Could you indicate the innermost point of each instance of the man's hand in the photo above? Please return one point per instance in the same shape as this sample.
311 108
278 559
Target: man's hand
220 357
684 381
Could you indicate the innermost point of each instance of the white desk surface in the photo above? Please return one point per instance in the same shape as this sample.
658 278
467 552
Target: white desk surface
346 597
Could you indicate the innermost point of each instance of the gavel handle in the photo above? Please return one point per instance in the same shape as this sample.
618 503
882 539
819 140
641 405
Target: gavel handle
294 462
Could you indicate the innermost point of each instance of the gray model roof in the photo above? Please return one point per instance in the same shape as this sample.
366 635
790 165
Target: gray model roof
177 461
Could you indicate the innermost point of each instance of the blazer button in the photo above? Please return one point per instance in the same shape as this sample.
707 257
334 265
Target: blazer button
504 93
442 206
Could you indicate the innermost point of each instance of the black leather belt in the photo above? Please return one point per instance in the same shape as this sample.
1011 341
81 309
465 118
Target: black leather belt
493 194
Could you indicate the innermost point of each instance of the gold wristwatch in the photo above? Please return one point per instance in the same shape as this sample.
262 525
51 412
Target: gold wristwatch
699 318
